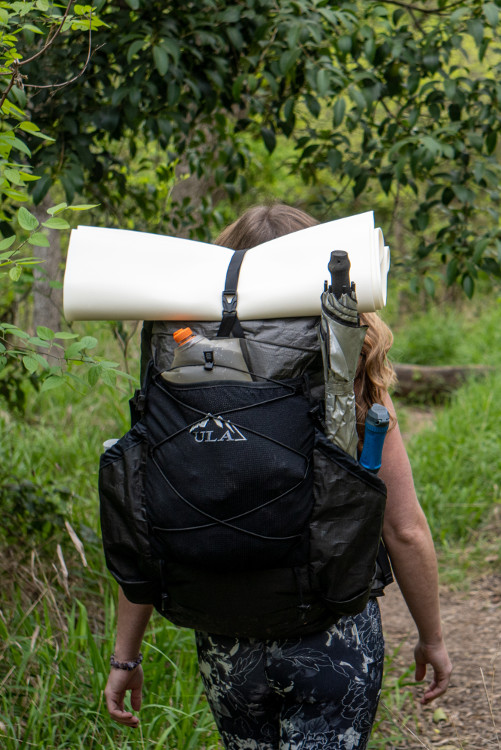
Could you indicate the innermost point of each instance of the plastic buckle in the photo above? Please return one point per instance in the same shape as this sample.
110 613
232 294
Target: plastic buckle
229 302
209 360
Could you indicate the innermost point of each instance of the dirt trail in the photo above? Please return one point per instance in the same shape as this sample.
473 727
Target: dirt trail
468 717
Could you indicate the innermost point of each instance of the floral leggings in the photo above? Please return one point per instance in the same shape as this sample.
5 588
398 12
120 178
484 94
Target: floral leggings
316 692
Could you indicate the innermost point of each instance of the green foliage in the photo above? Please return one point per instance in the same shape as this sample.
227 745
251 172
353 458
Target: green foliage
449 335
20 25
372 96
456 463
45 358
32 512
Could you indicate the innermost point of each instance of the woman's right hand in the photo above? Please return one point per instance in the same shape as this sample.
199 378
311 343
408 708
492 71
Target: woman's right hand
437 657
119 682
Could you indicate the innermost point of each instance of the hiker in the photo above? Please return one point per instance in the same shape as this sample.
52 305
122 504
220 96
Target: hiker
318 690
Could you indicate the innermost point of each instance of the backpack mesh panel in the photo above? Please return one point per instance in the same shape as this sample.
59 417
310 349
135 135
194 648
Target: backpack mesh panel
229 480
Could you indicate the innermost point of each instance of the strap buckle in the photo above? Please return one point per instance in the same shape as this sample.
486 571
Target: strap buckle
230 299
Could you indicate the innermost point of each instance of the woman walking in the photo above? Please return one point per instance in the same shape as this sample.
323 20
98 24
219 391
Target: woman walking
321 690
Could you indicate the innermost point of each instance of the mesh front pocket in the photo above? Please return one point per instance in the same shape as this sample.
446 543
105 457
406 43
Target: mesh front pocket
229 480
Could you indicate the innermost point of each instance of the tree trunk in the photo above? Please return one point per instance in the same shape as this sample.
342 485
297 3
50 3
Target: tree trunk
421 380
47 302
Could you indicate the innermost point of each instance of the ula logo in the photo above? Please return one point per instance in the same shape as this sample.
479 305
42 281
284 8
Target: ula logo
220 431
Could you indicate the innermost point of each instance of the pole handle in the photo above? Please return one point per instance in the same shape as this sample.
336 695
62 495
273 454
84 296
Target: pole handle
339 269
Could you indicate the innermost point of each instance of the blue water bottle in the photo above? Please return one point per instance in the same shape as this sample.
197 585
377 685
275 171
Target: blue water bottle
376 427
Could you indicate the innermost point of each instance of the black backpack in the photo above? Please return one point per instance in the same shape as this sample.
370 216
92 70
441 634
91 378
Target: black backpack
226 507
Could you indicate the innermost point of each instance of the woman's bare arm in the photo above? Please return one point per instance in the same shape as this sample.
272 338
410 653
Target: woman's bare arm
132 620
410 546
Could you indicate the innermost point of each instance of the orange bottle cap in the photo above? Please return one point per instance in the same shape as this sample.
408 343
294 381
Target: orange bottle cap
182 335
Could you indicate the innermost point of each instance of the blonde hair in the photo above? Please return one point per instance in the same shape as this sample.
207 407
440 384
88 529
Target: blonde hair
374 374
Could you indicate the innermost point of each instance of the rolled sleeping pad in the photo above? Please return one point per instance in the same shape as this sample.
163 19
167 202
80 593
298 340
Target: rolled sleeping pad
118 274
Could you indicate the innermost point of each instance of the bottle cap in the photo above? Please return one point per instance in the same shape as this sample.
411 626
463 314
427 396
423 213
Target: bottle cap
378 416
182 335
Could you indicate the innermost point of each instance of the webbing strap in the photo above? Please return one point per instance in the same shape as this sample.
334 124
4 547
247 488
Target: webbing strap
229 322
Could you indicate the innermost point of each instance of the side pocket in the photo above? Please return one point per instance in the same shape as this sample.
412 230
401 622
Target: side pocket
124 527
345 528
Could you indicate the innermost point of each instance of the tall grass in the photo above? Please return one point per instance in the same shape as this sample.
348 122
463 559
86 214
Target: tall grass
53 669
456 462
443 334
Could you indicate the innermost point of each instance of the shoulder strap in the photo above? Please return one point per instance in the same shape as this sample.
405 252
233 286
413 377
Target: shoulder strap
229 321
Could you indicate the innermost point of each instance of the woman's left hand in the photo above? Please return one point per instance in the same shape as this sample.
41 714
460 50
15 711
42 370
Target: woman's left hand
119 682
436 655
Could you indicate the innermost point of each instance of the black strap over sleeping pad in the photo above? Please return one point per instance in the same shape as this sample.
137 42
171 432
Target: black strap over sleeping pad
229 322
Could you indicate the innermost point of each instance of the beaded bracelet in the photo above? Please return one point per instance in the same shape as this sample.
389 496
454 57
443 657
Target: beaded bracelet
128 665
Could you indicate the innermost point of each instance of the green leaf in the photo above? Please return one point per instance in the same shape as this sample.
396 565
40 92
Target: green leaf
36 341
30 363
322 82
39 240
287 60
47 334
73 351
334 158
357 97
134 48
65 335
450 88
83 207
21 146
29 126
53 381
339 110
93 375
109 377
431 145
7 242
490 141
15 273
57 209
88 342
476 29
56 223
13 176
360 183
468 286
464 194
161 60
313 104
235 37
491 12
16 195
269 139
26 219
451 272
344 43
429 285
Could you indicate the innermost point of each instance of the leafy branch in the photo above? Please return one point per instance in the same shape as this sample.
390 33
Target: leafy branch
16 76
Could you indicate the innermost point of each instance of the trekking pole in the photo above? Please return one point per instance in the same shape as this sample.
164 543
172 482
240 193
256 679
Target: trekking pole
339 269
376 427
